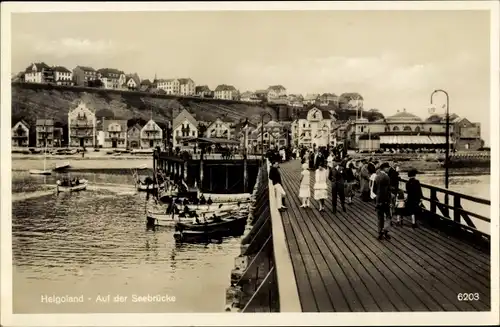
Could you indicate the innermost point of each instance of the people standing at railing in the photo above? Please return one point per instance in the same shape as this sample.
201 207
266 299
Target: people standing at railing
275 177
414 196
382 201
305 187
320 185
337 178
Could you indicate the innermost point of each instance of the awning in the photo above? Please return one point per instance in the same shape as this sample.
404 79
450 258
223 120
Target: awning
412 139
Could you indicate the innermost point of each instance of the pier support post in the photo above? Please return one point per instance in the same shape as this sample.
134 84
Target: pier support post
245 172
185 171
227 179
200 186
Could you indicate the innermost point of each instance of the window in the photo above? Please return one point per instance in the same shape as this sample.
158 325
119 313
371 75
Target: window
417 129
407 129
395 129
387 129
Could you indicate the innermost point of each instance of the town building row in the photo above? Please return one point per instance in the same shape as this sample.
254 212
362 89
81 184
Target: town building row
111 78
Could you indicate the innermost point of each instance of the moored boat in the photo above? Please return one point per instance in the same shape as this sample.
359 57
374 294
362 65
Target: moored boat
217 198
169 219
62 165
146 187
40 172
231 225
68 186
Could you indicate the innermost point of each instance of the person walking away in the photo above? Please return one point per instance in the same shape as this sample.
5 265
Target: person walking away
311 159
275 177
414 198
373 176
337 179
320 185
399 208
382 201
364 180
305 188
349 182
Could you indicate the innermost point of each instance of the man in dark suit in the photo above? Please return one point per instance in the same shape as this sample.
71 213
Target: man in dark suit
336 176
382 190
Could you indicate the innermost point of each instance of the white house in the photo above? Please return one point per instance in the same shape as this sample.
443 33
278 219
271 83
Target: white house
151 135
183 126
35 73
275 92
227 92
219 129
170 86
314 127
63 76
81 126
20 134
187 87
115 133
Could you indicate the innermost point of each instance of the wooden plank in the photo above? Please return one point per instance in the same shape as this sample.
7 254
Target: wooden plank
370 269
334 286
435 277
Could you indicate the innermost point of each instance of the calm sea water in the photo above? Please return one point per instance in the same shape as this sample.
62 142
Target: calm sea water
95 243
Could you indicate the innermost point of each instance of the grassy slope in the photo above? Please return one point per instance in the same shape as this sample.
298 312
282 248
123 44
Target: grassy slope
30 101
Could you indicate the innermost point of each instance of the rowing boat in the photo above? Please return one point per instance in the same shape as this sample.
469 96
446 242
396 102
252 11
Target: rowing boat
223 227
82 185
169 220
40 172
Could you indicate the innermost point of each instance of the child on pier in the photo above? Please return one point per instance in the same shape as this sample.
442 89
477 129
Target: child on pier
414 191
320 185
305 189
399 207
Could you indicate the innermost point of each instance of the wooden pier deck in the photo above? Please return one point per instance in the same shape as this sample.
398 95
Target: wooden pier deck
341 266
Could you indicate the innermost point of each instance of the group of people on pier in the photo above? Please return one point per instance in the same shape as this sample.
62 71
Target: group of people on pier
377 182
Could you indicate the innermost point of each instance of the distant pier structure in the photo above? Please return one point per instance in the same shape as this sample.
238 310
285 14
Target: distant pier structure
210 170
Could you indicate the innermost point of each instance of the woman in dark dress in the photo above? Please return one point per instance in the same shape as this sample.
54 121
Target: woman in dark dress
414 196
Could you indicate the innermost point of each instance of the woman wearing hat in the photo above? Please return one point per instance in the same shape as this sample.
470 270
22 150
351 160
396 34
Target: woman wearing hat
414 196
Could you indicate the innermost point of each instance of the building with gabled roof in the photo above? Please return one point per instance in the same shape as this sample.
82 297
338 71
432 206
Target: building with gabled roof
62 75
115 133
20 134
134 137
219 129
314 127
132 81
187 87
38 72
82 126
184 126
203 91
151 135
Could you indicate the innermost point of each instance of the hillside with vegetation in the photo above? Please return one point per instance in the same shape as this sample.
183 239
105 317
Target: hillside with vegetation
31 101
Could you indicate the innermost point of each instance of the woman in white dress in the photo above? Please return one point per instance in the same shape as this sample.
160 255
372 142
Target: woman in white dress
305 188
320 186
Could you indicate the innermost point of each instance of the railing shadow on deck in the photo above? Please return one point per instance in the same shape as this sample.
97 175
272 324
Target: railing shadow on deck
444 210
264 262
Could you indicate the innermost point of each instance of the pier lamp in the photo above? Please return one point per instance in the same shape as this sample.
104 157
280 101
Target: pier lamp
262 131
447 153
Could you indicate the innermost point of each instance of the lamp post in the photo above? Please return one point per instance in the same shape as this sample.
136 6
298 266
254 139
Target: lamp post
262 131
447 155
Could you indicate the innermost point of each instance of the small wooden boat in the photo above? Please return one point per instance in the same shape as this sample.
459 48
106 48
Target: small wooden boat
222 227
169 220
62 165
227 197
82 185
145 187
40 172
229 206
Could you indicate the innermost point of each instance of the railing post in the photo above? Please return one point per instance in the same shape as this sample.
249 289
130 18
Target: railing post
433 206
456 209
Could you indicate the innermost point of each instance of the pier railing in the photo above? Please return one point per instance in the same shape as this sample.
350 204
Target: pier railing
459 213
263 279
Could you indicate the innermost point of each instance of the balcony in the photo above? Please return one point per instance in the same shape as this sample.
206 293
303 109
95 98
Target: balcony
81 134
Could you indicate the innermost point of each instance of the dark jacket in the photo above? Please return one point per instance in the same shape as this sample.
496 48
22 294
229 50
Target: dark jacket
274 175
414 191
382 188
337 177
394 177
349 175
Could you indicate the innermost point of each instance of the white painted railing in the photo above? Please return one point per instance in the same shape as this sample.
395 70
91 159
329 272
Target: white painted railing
287 285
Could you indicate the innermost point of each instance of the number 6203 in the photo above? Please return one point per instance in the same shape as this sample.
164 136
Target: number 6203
468 296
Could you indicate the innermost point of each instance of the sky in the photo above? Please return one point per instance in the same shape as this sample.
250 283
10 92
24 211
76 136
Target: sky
394 59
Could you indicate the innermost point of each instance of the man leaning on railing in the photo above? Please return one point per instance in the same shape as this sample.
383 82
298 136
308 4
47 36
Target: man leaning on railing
275 177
